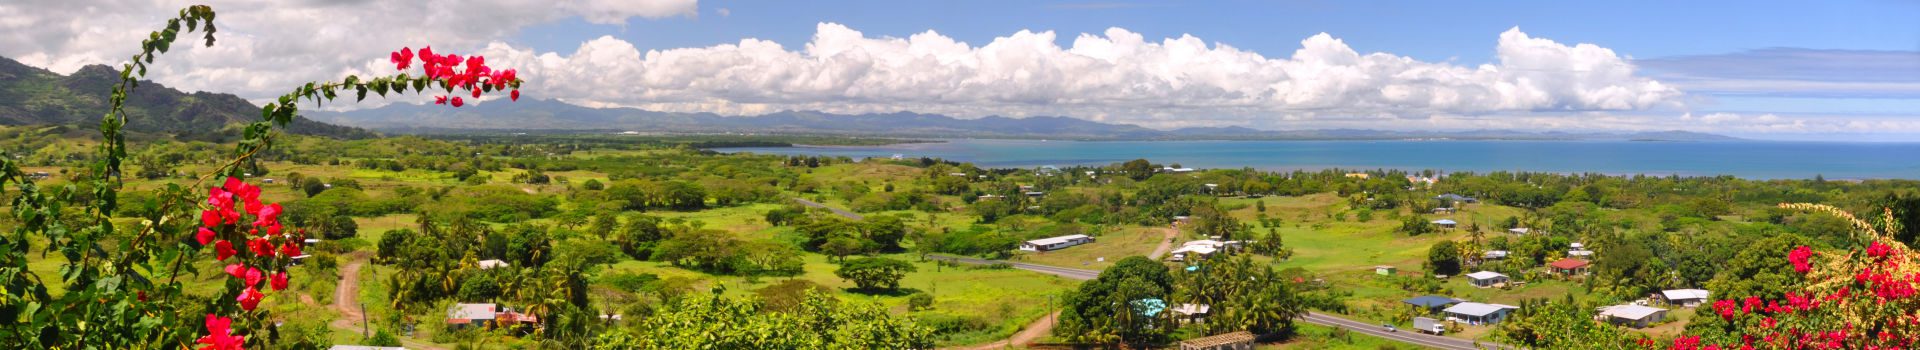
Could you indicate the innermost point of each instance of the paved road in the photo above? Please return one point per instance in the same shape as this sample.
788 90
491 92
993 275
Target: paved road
848 214
1431 341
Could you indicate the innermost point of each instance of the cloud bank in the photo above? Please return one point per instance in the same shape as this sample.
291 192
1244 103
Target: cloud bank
1116 76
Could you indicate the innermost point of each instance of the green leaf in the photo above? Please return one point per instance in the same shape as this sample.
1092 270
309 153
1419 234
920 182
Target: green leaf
266 112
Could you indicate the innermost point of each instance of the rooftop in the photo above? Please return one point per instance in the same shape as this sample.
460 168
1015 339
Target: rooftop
1678 294
1431 301
1477 309
1568 264
1485 275
1058 240
1631 312
1218 340
471 312
1444 221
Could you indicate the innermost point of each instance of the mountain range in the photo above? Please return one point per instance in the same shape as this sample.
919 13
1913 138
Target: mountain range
532 115
34 96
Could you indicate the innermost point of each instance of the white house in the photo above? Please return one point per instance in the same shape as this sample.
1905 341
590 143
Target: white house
1484 279
1445 223
1192 312
1055 243
1630 315
1684 297
1521 231
1199 251
1478 313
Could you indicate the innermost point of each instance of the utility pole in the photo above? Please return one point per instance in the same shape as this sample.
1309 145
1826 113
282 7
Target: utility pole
365 332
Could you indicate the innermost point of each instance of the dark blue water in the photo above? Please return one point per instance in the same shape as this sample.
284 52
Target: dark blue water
1747 159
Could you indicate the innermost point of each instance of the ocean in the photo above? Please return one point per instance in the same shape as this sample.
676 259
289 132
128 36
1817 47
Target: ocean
1746 159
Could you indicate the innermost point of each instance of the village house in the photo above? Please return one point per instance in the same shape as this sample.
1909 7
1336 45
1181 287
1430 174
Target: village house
1519 231
1569 267
1478 313
1192 313
1683 297
1055 243
1193 251
1241 340
1635 316
1578 250
1485 279
1445 223
1361 176
472 315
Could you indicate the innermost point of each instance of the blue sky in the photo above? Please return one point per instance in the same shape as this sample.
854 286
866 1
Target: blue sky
1833 70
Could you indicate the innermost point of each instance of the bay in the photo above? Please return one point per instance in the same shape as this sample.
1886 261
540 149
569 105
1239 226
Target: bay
1746 159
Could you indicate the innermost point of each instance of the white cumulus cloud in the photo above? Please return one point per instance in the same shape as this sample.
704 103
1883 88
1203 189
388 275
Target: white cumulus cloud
1118 75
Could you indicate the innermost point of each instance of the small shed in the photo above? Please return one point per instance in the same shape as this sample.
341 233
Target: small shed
1520 231
1484 279
1383 270
1630 315
1478 313
1445 223
1569 266
1241 340
1683 297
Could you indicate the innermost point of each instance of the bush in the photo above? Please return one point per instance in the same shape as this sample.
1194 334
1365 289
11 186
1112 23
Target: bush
920 301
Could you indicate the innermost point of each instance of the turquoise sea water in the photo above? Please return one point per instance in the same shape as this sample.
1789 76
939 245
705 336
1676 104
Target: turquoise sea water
1747 159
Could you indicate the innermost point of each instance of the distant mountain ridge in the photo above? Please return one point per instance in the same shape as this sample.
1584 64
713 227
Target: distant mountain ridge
34 96
556 116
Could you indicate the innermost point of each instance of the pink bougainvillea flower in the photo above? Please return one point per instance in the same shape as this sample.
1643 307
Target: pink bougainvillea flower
1801 259
250 298
290 249
476 93
223 249
268 215
209 218
515 95
402 59
260 246
439 100
204 236
220 335
279 281
236 270
456 101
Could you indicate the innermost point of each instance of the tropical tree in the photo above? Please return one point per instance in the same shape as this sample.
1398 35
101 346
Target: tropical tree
874 273
122 286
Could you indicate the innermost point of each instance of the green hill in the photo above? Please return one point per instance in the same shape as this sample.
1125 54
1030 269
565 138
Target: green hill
34 96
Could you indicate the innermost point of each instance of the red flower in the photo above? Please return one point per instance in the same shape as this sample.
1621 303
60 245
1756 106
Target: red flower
476 93
402 59
1877 250
1800 258
290 249
250 298
439 100
209 218
515 95
204 236
260 247
456 101
279 281
268 215
223 249
220 335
